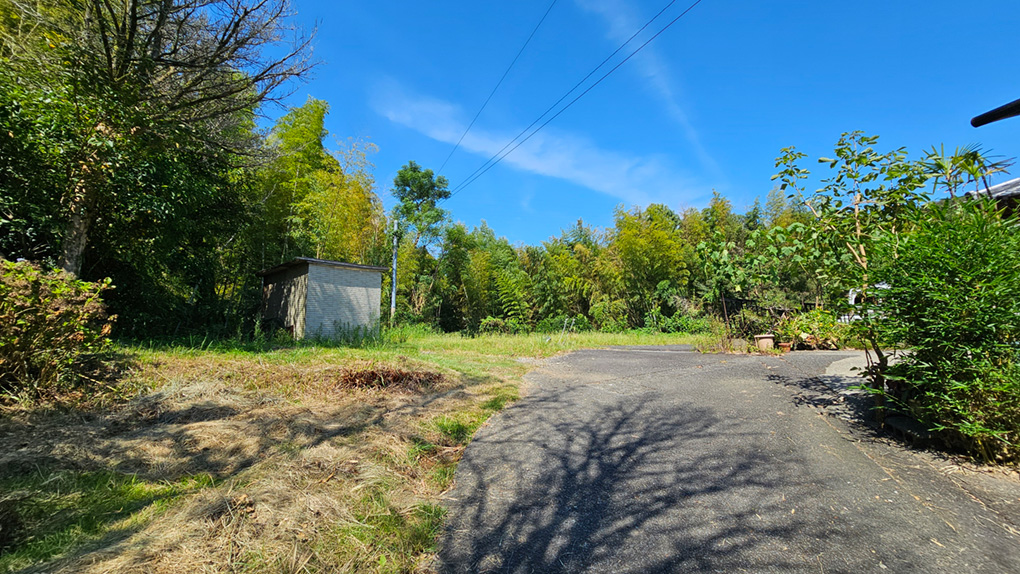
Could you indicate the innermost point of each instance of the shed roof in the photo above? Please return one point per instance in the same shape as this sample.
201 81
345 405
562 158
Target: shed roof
1002 190
312 261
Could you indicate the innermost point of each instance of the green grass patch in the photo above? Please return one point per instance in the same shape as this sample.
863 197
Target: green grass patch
51 513
458 428
442 475
419 448
385 539
501 397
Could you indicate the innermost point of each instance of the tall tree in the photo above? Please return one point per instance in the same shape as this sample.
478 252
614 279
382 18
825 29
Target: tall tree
143 77
419 192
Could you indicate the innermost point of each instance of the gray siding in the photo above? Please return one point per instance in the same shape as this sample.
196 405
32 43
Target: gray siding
341 297
284 296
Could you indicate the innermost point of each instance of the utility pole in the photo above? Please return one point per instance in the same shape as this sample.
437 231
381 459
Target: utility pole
393 281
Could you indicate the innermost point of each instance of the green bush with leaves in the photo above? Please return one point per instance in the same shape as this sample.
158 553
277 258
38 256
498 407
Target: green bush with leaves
560 323
53 331
679 322
497 326
954 301
817 329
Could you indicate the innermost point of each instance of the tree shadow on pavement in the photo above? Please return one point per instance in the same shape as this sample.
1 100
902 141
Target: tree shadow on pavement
560 485
830 394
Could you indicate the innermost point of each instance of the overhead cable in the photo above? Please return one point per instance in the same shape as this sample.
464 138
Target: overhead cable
493 92
500 155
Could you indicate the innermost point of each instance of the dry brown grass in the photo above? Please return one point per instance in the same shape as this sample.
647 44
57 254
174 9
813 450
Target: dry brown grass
305 456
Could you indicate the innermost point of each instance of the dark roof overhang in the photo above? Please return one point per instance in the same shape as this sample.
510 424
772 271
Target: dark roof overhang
311 260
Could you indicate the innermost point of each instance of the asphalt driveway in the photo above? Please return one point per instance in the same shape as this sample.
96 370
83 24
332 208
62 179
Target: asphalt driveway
666 460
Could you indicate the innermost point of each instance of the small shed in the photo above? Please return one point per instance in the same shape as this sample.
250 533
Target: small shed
317 297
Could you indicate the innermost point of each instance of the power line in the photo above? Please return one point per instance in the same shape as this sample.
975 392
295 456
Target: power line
500 155
500 82
485 165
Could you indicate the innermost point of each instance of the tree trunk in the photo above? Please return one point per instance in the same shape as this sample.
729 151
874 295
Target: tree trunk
76 235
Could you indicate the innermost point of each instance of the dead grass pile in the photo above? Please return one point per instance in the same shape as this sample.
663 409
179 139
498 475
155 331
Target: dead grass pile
384 377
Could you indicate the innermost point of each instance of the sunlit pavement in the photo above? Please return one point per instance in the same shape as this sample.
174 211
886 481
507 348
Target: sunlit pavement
666 460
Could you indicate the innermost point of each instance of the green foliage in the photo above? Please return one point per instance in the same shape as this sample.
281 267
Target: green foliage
816 329
137 89
53 331
863 202
561 323
679 322
127 148
497 326
418 192
650 251
318 203
953 301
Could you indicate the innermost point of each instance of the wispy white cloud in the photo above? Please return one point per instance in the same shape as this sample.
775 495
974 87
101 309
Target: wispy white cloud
635 180
622 21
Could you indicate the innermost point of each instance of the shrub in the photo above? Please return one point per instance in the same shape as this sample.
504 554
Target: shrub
53 331
559 323
680 322
497 326
954 300
817 329
610 315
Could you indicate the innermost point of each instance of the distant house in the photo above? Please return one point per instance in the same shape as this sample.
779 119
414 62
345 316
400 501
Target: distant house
316 297
1005 194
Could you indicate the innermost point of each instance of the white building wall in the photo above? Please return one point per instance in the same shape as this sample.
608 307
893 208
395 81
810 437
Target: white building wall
340 297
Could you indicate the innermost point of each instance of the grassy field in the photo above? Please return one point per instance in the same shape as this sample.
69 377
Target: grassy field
225 457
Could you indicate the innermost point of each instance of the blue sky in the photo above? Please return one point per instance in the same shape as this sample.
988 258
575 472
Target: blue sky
707 105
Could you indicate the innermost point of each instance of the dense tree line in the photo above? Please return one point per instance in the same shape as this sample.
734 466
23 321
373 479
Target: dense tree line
653 268
129 149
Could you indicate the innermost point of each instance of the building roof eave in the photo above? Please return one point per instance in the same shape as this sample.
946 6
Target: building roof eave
313 261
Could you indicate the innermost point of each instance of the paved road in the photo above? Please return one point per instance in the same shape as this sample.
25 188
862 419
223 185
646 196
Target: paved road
666 460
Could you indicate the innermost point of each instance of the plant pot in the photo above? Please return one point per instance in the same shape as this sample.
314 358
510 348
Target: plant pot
785 347
765 342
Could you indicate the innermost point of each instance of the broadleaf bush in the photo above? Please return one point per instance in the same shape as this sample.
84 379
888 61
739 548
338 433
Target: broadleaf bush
954 303
54 331
679 322
816 329
497 326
